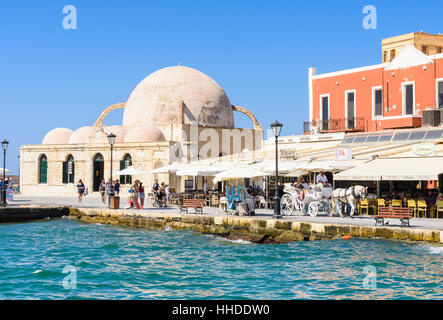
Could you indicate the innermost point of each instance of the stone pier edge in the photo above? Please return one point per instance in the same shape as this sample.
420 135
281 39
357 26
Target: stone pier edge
253 229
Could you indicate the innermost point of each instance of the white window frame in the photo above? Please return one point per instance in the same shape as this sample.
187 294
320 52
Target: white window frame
437 82
376 117
321 107
346 106
403 97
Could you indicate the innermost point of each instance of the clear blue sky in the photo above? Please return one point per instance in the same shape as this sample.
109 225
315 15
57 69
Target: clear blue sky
258 51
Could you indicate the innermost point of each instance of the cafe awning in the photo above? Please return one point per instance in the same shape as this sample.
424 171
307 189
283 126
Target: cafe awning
130 171
173 167
237 173
197 171
395 169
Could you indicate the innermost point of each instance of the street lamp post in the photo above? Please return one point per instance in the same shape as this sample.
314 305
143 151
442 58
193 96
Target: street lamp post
5 146
276 128
111 139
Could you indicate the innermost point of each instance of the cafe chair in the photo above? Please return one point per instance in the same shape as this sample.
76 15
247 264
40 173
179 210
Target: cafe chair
222 204
439 208
215 202
363 205
412 204
377 204
421 208
261 202
396 203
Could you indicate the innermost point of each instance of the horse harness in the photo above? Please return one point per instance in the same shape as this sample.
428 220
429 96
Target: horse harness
352 189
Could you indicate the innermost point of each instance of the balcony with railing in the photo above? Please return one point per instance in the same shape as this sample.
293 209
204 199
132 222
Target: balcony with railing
357 124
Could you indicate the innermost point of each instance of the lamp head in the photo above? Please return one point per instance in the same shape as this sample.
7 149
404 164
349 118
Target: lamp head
276 128
111 138
5 144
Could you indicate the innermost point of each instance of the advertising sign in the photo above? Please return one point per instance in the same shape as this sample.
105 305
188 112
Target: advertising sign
343 154
424 149
189 184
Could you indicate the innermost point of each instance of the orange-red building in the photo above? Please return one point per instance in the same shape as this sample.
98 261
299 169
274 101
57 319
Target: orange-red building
385 96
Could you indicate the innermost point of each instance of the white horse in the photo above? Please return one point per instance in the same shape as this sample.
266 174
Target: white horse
350 195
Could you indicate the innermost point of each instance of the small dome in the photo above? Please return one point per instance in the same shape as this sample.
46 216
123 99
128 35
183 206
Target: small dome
119 131
144 134
157 100
82 135
57 136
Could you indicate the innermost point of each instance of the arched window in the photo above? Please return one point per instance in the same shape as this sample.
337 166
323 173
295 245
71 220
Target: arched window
98 171
68 170
126 162
43 169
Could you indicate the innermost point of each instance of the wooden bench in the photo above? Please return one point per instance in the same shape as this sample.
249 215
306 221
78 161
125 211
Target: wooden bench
404 214
197 204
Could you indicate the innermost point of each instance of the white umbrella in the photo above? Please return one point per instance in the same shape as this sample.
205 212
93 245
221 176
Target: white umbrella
224 165
130 171
197 171
238 173
283 167
173 167
6 171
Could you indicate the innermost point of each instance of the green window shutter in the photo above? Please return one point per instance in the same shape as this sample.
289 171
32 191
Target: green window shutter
43 171
73 173
122 166
65 172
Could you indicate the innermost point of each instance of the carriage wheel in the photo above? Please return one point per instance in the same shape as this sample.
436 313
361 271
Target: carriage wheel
313 209
328 208
287 205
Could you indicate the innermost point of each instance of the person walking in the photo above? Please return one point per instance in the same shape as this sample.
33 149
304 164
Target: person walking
141 191
102 190
155 190
136 194
80 190
168 194
109 188
117 188
205 187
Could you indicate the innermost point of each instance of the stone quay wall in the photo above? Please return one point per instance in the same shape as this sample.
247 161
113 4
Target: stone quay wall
22 214
255 229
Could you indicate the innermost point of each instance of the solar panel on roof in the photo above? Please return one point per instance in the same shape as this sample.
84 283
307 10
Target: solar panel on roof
385 137
348 139
373 138
360 139
417 135
401 136
434 134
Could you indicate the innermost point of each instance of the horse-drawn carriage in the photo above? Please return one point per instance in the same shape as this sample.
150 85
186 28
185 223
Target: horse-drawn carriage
317 199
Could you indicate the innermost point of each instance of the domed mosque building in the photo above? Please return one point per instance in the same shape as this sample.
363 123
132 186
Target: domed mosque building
175 114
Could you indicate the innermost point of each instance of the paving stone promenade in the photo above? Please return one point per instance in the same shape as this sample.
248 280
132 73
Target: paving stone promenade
93 201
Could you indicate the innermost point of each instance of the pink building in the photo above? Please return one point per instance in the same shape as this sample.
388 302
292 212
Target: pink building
386 96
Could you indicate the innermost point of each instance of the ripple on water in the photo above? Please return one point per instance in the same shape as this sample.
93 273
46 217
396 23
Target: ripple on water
112 262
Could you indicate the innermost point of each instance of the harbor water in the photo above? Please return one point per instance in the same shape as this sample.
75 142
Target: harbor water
66 259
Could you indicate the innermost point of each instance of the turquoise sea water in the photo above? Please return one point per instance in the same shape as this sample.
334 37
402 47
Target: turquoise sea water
110 262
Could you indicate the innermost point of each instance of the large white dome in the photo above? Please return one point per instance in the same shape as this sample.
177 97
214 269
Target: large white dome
81 135
156 100
57 136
